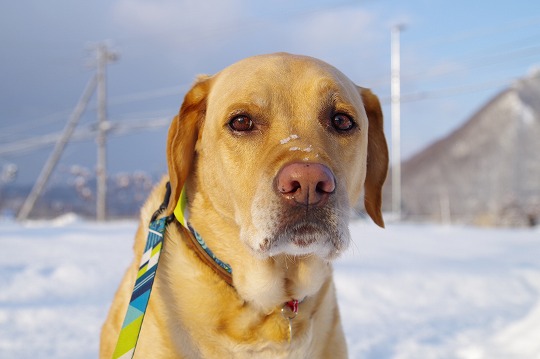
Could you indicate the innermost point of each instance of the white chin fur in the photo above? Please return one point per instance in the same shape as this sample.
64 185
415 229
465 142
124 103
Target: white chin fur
326 252
323 247
269 232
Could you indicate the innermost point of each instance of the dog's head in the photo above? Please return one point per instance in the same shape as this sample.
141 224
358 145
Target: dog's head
282 146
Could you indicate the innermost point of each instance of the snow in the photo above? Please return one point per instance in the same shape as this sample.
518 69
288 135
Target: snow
288 139
406 292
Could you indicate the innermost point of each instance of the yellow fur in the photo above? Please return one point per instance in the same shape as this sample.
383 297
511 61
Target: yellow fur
192 312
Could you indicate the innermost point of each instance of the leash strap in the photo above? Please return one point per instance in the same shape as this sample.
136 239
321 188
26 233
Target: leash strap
129 334
131 328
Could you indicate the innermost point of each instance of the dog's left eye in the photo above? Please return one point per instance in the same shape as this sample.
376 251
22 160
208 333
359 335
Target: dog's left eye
241 123
342 122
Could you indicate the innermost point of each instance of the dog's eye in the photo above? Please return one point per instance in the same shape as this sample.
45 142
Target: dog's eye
342 122
241 123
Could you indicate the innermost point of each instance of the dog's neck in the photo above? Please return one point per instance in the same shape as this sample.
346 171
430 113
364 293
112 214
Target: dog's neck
266 283
194 241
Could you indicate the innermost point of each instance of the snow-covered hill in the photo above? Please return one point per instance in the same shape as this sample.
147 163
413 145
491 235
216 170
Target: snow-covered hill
488 170
410 291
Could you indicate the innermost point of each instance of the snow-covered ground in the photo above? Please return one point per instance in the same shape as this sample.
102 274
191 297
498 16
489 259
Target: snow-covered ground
409 291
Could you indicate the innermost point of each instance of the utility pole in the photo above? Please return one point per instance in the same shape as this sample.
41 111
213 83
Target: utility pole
396 121
97 83
104 56
53 159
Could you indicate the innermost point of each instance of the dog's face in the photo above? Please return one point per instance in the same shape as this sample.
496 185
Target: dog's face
284 146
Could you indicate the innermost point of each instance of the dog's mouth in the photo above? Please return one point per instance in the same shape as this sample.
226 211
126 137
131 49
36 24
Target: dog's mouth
326 238
277 227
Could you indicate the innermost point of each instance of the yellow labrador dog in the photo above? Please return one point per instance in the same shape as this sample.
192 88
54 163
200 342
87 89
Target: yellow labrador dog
273 152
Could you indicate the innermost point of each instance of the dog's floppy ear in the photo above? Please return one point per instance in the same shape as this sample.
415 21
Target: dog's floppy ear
183 135
377 157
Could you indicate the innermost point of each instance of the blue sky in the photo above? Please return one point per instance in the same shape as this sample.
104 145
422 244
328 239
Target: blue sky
455 56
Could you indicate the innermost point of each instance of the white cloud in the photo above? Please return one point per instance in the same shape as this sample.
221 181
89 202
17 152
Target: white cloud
175 20
205 36
349 38
341 27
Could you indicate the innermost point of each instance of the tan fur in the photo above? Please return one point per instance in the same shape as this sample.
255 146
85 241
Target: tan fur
193 313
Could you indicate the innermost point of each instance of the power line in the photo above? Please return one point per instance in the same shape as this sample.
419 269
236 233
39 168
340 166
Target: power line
11 130
147 95
88 133
481 32
472 63
477 62
448 91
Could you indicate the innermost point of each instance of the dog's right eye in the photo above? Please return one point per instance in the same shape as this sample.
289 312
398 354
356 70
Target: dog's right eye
342 122
241 123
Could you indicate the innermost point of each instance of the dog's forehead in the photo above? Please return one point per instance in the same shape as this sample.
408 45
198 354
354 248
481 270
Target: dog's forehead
280 74
277 64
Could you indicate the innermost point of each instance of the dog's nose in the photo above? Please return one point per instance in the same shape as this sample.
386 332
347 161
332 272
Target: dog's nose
307 184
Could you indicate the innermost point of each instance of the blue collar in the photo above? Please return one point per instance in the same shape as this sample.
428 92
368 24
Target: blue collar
181 213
